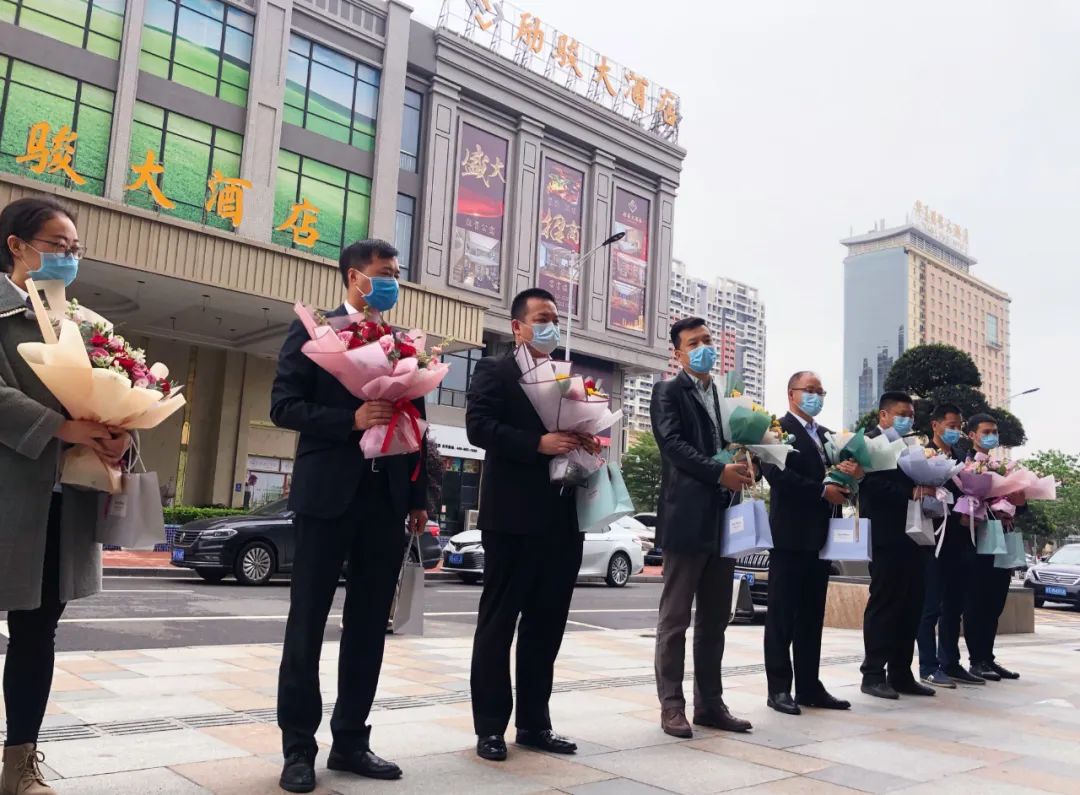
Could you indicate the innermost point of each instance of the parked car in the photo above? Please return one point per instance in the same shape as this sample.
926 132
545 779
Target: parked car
254 547
754 568
614 553
1058 579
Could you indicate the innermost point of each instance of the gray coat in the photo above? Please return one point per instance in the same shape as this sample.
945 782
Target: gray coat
29 462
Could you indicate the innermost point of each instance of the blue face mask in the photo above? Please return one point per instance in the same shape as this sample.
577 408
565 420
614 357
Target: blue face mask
384 293
989 441
950 436
545 338
903 425
702 359
811 403
56 267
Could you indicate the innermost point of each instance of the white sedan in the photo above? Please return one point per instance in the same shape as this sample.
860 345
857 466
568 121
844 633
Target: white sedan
614 553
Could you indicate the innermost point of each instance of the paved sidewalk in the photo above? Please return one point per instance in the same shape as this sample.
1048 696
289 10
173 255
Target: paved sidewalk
186 721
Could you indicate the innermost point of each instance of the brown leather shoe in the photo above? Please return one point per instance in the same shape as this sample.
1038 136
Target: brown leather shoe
673 722
22 774
720 718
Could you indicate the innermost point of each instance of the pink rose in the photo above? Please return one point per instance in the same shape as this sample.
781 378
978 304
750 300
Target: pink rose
142 383
99 357
387 344
116 344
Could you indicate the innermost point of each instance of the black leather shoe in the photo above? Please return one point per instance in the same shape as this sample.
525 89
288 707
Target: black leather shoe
720 717
879 690
783 702
492 748
912 688
984 671
545 740
962 676
298 775
823 701
363 763
1003 672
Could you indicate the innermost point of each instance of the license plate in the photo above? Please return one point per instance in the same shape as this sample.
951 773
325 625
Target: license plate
749 577
1054 590
178 555
456 559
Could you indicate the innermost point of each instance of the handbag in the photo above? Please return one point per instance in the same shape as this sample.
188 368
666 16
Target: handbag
408 608
133 517
746 528
603 499
848 538
1014 556
920 527
990 538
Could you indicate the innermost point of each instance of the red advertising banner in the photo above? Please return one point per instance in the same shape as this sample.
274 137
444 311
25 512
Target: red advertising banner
560 234
476 244
629 262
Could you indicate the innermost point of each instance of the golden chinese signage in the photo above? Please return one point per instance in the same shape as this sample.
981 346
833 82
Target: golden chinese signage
938 226
523 37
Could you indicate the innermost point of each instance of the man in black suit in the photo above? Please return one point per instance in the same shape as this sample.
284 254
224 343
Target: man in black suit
346 507
897 572
521 511
800 509
695 490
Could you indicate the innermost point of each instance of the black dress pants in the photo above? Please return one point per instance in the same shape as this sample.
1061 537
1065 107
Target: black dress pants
986 600
534 580
798 584
893 612
31 648
372 535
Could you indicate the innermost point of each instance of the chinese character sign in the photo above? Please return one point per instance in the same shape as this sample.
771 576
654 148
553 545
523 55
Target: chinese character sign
476 250
629 263
560 234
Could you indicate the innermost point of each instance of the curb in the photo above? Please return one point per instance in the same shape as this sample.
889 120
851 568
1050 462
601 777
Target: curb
188 574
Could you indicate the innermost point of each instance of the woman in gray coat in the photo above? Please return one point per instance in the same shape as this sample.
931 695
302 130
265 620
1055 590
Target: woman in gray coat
47 552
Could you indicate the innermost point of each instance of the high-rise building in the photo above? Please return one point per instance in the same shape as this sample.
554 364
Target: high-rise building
912 285
736 317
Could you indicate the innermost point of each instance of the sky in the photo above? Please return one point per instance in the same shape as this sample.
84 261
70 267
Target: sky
805 120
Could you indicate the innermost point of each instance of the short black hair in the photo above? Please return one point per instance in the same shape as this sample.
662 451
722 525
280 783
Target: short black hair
362 253
686 324
796 376
24 219
977 420
890 399
520 304
944 409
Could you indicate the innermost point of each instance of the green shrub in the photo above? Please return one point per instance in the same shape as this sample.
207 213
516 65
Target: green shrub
182 514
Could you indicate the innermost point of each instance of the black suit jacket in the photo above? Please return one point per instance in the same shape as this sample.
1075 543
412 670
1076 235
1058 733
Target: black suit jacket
329 464
690 512
798 514
516 492
883 499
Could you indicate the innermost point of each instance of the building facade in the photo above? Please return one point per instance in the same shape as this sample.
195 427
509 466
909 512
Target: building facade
220 153
913 285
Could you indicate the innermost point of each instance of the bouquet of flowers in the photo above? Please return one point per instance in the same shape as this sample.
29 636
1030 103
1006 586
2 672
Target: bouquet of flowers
373 363
932 468
749 426
96 375
985 482
568 403
873 455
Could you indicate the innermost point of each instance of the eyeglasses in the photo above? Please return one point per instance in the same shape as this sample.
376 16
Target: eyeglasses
77 251
811 390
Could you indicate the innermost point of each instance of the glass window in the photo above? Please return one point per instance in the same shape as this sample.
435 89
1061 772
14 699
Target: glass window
202 44
94 25
42 111
403 233
454 388
341 202
190 152
331 94
410 130
992 337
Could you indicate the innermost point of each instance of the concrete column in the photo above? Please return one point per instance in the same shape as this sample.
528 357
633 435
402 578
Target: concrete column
231 435
595 281
116 177
384 178
519 270
262 128
439 175
660 270
243 424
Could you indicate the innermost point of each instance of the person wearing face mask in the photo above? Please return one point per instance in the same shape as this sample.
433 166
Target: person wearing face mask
346 507
989 585
520 508
800 509
897 571
49 555
695 490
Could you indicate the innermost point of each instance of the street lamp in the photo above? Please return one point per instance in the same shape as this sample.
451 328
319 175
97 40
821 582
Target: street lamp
1021 394
615 238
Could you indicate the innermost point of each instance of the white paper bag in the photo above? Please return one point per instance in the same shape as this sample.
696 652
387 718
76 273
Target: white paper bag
920 527
848 539
133 518
408 610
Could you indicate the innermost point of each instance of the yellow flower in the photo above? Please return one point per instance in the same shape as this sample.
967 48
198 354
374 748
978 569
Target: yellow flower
736 393
561 377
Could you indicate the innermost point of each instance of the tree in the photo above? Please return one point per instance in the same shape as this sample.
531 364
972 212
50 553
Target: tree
866 421
435 476
1010 429
1058 518
968 399
641 472
925 368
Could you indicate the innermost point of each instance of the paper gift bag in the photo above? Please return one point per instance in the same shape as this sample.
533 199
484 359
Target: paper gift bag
1013 557
920 527
848 539
132 518
408 610
603 499
746 529
990 538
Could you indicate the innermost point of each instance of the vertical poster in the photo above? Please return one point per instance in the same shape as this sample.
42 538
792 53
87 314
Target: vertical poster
629 262
560 234
476 244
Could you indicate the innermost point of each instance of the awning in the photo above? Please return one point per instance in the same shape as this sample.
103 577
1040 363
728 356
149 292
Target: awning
454 443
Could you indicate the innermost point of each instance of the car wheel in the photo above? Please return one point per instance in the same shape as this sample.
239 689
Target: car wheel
470 579
213 576
255 564
618 570
835 571
1039 602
